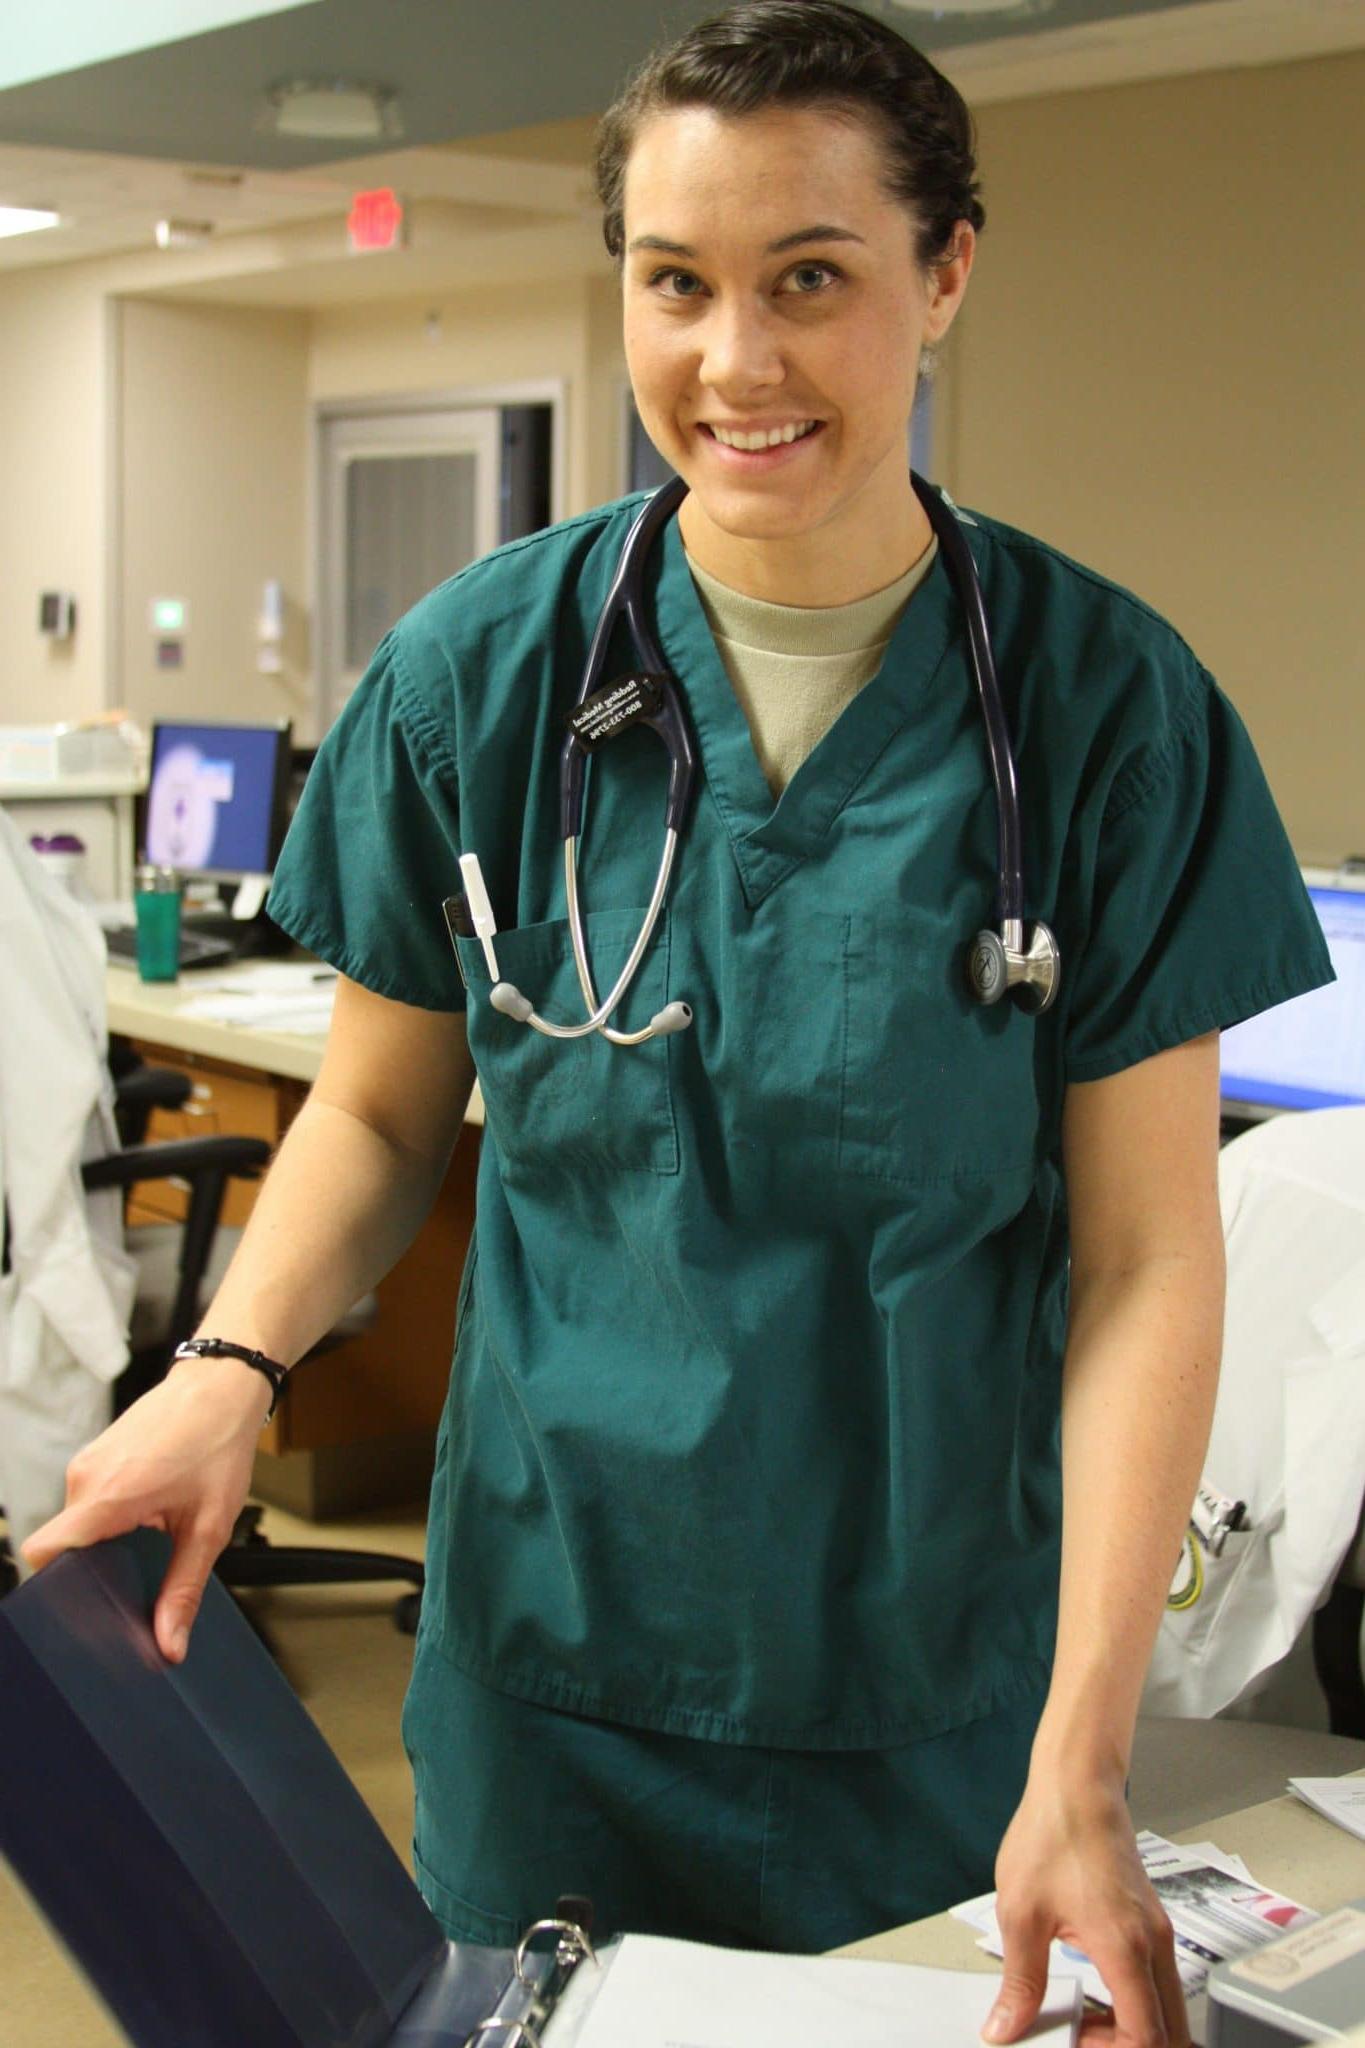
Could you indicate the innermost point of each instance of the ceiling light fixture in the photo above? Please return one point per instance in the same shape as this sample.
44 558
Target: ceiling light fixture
26 220
332 110
218 181
182 234
965 8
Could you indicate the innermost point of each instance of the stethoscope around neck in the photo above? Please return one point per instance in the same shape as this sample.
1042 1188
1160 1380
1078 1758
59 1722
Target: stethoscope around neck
1009 960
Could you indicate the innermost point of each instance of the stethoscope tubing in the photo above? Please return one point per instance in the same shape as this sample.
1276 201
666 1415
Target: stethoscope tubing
626 599
998 961
626 596
962 569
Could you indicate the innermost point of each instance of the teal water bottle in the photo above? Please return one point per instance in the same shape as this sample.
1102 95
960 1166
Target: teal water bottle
156 904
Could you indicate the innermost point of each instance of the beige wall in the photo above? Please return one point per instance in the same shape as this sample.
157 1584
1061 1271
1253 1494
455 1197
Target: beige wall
507 335
1159 370
53 413
212 468
607 385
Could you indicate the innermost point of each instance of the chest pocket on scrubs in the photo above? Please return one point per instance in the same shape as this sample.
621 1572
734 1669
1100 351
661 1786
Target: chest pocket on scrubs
935 1086
578 1103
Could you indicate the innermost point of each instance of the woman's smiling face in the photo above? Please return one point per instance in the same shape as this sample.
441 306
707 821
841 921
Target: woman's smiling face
771 290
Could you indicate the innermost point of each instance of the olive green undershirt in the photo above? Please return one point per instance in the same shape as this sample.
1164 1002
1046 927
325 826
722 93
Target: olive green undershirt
795 667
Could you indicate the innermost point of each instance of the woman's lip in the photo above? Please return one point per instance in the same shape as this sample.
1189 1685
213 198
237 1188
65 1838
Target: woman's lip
751 459
758 426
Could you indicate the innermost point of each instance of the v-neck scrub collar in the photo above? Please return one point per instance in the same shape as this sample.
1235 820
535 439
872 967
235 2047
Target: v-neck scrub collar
769 839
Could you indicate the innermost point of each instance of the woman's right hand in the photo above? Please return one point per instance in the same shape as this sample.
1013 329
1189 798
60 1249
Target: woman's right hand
178 1460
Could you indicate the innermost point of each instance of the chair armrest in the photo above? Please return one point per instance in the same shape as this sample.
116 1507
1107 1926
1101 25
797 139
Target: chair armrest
152 1088
243 1158
207 1164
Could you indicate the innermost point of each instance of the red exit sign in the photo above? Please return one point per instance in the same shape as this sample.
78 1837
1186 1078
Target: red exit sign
376 220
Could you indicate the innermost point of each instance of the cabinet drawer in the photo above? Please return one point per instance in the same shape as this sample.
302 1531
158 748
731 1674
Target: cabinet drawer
224 1101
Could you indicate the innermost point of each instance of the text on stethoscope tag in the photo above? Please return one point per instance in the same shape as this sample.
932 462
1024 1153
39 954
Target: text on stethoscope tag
616 705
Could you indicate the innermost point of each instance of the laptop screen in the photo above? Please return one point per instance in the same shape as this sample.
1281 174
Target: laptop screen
1308 1053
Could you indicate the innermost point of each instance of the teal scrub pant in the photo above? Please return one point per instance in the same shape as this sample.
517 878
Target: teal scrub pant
754 1848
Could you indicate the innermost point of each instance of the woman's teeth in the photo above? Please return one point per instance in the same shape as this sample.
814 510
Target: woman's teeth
772 438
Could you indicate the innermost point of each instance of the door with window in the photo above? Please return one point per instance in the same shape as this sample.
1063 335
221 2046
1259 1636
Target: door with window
406 499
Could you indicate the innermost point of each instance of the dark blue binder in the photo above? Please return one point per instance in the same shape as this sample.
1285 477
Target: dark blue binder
194 1841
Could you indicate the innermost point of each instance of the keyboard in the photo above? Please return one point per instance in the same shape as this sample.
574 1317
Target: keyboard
197 949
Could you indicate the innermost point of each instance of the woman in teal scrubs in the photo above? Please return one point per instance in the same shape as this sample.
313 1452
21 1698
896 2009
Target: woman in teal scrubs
831 1378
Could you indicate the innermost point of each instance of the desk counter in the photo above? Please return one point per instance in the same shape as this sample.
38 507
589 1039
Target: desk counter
1284 1844
154 1012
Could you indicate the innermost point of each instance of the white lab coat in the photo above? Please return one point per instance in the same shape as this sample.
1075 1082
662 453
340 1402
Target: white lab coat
66 1298
1289 1427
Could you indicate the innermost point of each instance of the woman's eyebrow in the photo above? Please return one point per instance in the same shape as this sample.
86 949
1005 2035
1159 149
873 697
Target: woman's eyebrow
822 232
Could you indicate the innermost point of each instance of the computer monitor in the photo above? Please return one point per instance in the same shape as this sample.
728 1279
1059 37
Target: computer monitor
1308 1053
216 799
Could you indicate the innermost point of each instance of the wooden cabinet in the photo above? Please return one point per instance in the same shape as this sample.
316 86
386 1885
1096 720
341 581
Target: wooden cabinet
223 1099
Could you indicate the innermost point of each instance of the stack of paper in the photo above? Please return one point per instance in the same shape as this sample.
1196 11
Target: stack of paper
683 1994
270 995
1338 1799
1216 1909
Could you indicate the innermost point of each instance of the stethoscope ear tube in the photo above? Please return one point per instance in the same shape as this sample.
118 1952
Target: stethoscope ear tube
626 597
1001 962
1010 906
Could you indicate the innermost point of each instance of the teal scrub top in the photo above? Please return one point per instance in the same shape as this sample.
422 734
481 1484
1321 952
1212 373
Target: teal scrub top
753 1426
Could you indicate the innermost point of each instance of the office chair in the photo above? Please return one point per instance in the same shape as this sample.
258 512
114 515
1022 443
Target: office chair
174 1264
1337 1643
1288 1434
206 1164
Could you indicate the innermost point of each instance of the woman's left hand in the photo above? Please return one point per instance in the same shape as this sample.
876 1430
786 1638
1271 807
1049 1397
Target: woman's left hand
1069 1870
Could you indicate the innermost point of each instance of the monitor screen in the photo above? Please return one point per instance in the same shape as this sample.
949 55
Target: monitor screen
215 800
1308 1053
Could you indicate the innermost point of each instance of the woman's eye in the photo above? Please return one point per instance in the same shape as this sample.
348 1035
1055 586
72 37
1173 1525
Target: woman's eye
807 279
676 284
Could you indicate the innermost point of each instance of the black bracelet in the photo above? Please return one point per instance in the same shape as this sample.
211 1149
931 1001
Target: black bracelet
218 1347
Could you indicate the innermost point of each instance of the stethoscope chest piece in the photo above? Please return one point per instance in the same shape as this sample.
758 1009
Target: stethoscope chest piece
999 964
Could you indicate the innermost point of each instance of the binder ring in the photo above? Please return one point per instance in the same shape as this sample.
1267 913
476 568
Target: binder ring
519 2032
573 1944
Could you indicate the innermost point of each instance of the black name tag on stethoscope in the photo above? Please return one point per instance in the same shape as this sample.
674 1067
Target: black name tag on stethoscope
626 701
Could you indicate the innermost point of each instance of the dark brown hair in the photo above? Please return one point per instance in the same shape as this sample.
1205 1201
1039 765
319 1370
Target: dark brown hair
811 53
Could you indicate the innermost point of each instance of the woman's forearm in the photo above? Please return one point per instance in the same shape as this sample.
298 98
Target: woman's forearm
338 1208
1139 1381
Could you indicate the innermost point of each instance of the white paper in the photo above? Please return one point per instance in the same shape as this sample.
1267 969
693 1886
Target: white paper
1337 1799
265 1009
1216 1910
274 976
682 1994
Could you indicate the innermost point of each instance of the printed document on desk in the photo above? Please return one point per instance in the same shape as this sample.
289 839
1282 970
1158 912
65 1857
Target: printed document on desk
1337 1799
1216 1910
271 995
682 1994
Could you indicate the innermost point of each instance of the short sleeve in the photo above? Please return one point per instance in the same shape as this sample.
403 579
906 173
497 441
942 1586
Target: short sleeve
374 846
1197 916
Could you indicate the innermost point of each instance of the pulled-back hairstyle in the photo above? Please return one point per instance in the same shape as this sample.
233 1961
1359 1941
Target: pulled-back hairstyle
811 53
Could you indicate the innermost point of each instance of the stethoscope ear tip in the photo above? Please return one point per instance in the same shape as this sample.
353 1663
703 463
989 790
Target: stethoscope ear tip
673 1017
510 1001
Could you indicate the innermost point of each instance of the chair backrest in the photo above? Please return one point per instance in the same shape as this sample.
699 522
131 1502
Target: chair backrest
1288 1434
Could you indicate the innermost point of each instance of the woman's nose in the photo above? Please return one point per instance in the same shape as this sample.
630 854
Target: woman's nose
740 351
